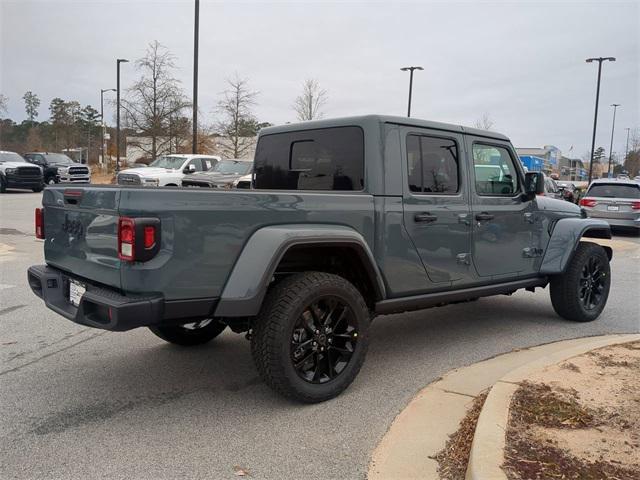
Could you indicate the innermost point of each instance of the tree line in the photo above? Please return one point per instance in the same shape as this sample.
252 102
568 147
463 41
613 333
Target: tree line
155 114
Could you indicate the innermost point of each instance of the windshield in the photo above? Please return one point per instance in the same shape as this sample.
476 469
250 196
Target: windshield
10 157
58 158
614 190
232 167
167 161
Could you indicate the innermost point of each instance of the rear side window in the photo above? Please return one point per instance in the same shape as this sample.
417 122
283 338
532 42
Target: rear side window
495 171
322 159
614 190
432 164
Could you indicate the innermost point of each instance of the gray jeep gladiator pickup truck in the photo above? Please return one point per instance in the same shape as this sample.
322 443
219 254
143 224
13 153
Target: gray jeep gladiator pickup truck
349 219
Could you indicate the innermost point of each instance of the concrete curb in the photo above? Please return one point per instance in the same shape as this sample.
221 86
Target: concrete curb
422 428
487 449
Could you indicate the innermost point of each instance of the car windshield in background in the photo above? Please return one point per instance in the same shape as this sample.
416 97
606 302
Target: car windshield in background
232 167
10 157
58 158
168 162
614 190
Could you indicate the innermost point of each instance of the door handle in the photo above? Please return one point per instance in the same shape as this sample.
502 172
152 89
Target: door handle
484 216
425 217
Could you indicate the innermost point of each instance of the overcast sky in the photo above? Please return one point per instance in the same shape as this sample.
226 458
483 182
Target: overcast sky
521 62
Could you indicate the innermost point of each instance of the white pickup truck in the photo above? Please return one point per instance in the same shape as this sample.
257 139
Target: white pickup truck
167 170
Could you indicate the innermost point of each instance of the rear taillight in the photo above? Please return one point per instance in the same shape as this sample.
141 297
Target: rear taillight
149 236
588 202
138 238
40 223
126 239
635 205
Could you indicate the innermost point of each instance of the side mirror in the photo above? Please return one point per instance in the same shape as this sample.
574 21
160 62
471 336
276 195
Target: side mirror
191 168
533 184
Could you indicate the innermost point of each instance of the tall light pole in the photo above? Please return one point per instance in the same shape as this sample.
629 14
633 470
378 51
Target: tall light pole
626 149
595 117
196 29
410 70
613 127
118 62
102 90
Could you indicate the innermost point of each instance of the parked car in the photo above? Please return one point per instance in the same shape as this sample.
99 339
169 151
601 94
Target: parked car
551 188
349 218
244 182
616 201
16 173
226 174
167 170
568 191
59 168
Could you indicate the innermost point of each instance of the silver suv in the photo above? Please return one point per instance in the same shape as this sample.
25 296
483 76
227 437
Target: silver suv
613 200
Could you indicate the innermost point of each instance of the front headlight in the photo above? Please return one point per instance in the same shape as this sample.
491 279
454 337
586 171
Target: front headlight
63 170
11 170
151 182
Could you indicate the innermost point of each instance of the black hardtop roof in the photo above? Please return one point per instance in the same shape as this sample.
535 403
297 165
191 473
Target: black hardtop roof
364 120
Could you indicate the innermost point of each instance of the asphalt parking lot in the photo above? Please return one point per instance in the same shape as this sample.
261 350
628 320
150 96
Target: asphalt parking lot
83 403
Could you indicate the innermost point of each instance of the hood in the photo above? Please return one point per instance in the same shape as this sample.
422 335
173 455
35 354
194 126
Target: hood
65 165
557 205
149 171
214 177
17 164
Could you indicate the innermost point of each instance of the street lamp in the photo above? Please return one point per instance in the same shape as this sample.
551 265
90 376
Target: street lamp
102 90
613 127
410 70
626 149
595 117
196 29
118 62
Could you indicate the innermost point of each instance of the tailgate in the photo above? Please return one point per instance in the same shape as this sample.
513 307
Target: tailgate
81 230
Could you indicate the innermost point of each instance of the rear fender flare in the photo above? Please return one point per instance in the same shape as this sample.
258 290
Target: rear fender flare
247 284
565 238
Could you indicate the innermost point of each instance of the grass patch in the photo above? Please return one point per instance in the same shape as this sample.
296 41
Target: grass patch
538 404
454 457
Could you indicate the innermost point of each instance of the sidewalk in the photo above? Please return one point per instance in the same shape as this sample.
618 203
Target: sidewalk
422 429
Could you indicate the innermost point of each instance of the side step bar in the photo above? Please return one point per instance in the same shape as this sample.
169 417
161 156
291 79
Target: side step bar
418 302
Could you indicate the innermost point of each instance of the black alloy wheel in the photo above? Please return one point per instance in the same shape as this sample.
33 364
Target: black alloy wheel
592 284
324 339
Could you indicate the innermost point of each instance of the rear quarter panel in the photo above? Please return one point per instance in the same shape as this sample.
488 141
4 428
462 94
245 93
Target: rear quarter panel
204 231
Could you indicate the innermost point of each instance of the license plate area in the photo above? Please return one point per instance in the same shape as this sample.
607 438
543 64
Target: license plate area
613 208
76 291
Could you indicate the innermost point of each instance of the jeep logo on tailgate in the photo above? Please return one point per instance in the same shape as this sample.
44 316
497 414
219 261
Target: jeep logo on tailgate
72 227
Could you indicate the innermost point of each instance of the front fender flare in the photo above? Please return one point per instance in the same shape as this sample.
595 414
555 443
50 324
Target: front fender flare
564 240
247 285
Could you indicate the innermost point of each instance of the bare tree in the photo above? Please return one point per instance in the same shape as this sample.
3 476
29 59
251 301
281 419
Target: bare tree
484 122
308 105
155 99
237 117
31 104
4 104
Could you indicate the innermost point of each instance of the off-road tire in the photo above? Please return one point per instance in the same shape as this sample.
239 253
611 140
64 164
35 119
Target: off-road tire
271 337
179 335
3 185
565 289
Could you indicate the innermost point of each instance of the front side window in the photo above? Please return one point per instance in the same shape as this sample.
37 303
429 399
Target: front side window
432 164
321 159
494 170
233 167
168 161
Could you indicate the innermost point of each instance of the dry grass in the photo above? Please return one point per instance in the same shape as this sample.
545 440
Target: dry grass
453 459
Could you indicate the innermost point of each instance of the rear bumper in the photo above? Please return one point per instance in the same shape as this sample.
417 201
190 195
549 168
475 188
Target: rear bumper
108 309
632 220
